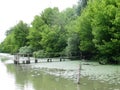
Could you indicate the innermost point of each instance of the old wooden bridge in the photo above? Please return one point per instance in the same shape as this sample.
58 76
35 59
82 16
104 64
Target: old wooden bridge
26 59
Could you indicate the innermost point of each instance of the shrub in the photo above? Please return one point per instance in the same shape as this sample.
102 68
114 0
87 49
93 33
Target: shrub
25 50
39 54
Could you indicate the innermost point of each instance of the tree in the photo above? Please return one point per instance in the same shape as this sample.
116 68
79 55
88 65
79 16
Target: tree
72 48
47 32
21 31
15 38
53 40
46 21
106 31
73 39
85 31
9 45
34 37
50 16
81 5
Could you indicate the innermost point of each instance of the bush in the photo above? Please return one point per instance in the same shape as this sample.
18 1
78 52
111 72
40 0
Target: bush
39 54
25 50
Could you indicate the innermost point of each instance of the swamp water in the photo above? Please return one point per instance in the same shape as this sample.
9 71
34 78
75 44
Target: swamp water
58 76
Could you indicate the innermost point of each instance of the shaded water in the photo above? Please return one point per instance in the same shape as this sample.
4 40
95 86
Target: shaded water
35 77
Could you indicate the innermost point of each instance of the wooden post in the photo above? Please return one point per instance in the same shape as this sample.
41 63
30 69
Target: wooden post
48 60
16 59
36 61
23 59
28 61
79 73
60 59
23 62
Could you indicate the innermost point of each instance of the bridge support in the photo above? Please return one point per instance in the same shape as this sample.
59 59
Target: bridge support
16 59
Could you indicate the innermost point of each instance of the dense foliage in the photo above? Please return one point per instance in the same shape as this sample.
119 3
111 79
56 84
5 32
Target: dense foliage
90 30
16 38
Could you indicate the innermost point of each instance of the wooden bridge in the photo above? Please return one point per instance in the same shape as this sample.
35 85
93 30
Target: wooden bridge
26 59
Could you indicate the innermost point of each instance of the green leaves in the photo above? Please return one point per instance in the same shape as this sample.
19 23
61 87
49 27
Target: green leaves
25 50
47 31
16 38
20 33
105 29
50 16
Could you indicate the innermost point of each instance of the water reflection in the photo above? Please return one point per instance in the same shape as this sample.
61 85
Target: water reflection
6 80
25 75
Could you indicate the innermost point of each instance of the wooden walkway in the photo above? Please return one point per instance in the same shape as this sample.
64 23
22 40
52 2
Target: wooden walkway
26 59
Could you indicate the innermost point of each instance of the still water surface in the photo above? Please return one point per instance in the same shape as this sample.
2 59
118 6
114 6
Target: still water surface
26 77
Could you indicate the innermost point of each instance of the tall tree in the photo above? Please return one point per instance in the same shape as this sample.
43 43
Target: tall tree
15 38
73 39
34 36
85 31
81 5
21 31
106 29
50 16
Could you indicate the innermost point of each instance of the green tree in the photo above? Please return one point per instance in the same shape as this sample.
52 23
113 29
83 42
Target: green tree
15 38
9 45
40 24
81 5
106 30
34 36
47 32
21 31
50 16
85 31
53 40
73 39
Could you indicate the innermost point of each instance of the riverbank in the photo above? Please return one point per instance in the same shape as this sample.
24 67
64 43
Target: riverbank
70 70
91 70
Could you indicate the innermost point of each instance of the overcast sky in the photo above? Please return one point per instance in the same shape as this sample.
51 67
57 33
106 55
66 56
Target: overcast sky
12 11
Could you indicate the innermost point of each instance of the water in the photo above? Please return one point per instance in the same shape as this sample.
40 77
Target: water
16 77
57 76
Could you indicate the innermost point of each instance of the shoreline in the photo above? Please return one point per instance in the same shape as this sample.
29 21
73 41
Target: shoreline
91 70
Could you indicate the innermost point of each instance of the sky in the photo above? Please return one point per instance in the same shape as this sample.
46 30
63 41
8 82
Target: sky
12 11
